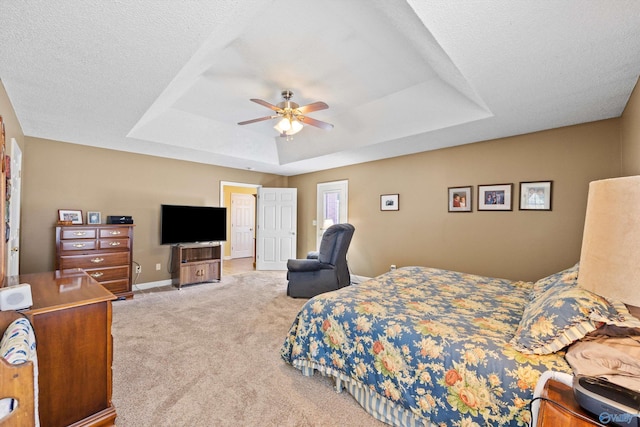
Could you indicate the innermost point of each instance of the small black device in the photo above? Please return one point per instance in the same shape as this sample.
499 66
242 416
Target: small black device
119 219
610 402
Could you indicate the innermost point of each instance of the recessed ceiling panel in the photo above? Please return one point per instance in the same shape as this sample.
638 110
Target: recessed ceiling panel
173 79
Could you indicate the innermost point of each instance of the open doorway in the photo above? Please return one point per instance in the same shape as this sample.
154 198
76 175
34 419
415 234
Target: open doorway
239 249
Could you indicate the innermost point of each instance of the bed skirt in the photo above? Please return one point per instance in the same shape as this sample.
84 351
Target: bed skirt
377 406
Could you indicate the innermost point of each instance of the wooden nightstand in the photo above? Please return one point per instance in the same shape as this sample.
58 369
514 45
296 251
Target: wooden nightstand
551 415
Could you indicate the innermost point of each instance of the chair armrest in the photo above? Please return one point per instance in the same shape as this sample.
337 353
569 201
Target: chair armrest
313 255
301 265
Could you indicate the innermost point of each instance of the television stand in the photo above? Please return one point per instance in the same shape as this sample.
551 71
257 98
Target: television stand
195 263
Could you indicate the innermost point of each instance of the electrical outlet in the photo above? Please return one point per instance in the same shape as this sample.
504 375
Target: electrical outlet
158 266
138 269
393 267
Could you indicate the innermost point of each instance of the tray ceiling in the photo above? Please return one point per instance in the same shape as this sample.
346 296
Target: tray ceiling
172 79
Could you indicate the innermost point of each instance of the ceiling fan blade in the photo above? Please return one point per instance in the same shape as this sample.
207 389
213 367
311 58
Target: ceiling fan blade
266 104
246 122
316 123
314 106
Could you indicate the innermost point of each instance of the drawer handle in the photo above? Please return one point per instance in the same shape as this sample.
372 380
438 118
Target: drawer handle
96 275
114 233
80 233
97 260
79 245
114 243
199 273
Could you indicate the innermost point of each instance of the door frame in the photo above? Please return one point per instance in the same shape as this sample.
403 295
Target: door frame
224 184
15 200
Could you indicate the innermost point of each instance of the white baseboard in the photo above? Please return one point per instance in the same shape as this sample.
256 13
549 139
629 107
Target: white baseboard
149 285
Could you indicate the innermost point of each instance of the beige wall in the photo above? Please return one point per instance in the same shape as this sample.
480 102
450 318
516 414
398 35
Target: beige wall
58 175
519 244
524 245
630 135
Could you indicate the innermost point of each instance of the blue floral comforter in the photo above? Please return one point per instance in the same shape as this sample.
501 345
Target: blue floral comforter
432 342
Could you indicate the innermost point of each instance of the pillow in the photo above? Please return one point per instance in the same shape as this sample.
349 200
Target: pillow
564 277
18 343
559 316
17 346
624 324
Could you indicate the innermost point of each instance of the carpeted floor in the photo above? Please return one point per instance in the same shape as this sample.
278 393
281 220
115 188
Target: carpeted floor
209 355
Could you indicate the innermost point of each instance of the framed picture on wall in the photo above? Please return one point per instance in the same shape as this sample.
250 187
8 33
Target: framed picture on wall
535 196
390 202
94 218
495 197
460 199
75 216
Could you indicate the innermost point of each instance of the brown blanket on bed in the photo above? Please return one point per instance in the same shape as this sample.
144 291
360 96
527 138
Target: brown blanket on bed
614 358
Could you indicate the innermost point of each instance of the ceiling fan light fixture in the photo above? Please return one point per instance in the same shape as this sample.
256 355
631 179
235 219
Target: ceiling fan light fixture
291 117
283 125
296 127
288 126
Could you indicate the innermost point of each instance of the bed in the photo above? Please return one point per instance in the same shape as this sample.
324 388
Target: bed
424 346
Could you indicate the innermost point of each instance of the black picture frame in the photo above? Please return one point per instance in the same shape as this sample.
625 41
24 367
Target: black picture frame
460 199
536 195
495 197
389 202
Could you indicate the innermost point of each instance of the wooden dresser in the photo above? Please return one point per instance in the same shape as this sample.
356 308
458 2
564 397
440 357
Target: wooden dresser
71 316
103 251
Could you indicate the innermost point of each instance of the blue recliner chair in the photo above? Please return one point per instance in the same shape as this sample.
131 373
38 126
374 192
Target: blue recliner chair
325 270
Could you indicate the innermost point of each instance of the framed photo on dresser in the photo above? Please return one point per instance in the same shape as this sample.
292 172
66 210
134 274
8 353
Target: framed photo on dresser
94 218
70 215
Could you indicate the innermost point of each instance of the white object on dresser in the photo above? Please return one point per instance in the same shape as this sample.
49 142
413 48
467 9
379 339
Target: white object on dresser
16 297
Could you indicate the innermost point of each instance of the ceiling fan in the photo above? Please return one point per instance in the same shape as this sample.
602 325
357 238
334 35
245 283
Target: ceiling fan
292 116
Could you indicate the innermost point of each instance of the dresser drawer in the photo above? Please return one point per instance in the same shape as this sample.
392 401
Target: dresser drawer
78 233
109 273
78 245
122 244
94 261
113 232
104 251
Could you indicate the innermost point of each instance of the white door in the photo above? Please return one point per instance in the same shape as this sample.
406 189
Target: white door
276 233
243 218
13 254
332 203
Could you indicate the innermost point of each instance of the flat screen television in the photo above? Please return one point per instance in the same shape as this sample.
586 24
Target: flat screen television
192 224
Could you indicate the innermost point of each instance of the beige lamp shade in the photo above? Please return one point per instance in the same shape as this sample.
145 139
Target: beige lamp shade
610 256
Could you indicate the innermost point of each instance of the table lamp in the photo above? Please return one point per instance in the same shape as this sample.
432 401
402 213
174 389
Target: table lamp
610 255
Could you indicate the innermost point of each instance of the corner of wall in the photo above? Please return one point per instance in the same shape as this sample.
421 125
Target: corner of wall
630 135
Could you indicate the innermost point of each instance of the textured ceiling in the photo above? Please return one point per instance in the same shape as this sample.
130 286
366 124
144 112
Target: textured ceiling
173 78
